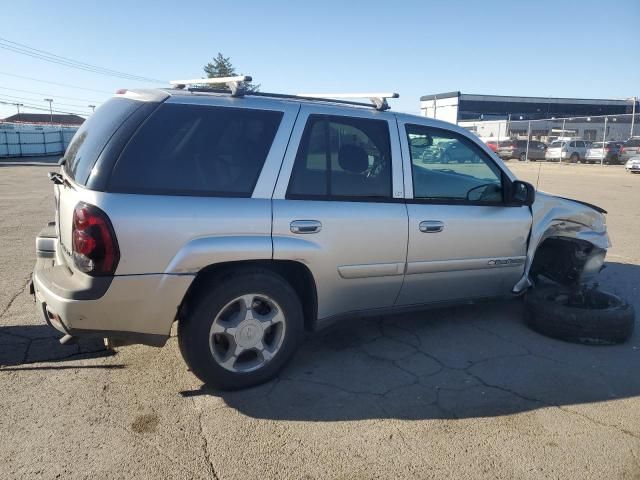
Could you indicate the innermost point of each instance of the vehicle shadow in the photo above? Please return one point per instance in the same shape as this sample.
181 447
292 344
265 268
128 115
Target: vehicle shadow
24 344
469 361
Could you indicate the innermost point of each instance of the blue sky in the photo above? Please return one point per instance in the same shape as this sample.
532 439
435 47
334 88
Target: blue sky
587 49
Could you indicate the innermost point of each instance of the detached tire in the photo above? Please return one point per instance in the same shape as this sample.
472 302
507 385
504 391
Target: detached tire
603 319
241 329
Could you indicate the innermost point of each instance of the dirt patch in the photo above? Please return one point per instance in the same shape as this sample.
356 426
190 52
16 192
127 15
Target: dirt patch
145 423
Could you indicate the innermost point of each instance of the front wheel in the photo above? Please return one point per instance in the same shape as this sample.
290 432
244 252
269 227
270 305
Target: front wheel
242 331
523 157
574 158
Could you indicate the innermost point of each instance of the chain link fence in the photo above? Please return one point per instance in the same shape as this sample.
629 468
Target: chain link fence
605 139
23 140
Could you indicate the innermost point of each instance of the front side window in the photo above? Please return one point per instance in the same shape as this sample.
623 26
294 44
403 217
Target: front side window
447 167
197 150
342 158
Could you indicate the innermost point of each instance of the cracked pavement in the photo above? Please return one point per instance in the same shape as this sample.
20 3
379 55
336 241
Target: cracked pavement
464 392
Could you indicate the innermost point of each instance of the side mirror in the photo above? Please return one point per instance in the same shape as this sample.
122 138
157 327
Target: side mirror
522 193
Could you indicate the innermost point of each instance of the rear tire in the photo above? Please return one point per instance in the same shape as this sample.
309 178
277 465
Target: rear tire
603 319
256 313
574 158
523 157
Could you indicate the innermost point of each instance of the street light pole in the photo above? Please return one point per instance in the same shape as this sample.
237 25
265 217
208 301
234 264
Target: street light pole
50 100
633 114
92 107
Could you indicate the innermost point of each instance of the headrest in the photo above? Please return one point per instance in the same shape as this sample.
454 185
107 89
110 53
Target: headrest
353 159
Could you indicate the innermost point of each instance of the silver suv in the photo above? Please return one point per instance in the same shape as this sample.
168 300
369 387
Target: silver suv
250 219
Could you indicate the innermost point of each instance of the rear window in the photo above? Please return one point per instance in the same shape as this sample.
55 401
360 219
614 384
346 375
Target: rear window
632 143
556 144
507 144
597 145
197 150
93 135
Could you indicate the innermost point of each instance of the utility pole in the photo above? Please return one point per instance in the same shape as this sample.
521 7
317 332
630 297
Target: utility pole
50 100
92 107
18 105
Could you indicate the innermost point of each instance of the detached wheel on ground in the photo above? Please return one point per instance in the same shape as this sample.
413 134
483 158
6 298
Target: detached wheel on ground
242 330
592 317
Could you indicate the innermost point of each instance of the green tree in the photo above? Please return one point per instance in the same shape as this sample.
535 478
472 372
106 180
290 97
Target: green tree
221 66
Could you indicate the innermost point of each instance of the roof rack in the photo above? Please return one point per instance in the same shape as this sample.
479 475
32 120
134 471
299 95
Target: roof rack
379 100
236 84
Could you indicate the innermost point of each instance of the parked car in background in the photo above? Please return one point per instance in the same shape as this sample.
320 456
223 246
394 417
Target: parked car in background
603 152
573 150
518 149
630 148
493 145
633 164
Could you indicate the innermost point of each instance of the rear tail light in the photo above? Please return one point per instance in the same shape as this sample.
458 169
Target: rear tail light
95 248
621 149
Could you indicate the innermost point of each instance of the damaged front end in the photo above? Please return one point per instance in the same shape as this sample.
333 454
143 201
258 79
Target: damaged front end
568 242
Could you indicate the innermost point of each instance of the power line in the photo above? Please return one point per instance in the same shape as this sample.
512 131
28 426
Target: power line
35 107
69 62
37 99
48 94
54 83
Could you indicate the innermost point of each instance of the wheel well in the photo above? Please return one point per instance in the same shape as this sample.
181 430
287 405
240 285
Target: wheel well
295 273
561 259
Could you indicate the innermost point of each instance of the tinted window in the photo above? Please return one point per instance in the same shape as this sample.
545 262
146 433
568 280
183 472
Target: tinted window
197 150
342 157
447 166
93 135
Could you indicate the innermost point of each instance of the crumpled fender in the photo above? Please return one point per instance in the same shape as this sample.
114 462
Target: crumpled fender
560 217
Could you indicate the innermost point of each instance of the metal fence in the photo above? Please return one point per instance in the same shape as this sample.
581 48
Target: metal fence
606 133
24 140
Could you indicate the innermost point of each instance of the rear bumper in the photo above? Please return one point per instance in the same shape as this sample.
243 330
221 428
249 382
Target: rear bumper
131 308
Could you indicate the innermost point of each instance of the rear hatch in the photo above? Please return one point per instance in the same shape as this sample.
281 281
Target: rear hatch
555 149
506 147
80 162
597 150
631 147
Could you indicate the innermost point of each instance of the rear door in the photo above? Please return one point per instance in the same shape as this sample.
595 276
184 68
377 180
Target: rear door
464 240
338 207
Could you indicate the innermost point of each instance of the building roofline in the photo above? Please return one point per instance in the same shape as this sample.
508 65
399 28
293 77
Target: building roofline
516 98
439 96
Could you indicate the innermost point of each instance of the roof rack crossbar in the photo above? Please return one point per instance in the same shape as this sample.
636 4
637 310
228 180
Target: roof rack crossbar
379 100
235 84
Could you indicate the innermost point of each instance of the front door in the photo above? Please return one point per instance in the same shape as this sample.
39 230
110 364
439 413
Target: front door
464 240
338 208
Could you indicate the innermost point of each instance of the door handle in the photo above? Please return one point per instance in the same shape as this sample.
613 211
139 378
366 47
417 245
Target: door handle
305 226
431 226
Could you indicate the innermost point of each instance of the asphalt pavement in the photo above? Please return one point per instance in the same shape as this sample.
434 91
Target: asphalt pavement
465 392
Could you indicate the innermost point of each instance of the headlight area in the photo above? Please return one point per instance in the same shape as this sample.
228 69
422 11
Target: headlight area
593 265
568 261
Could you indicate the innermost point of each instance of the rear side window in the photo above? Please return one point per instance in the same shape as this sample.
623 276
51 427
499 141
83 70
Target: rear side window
197 150
342 158
93 135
